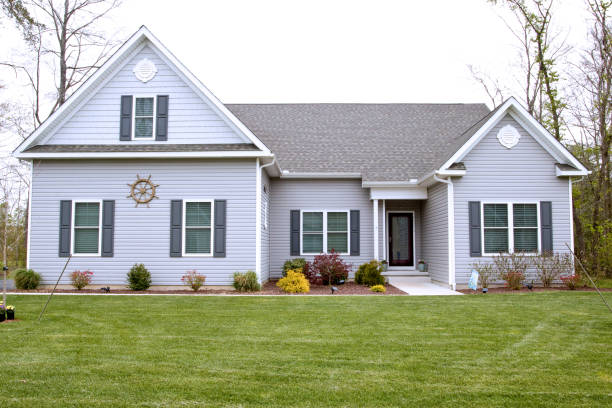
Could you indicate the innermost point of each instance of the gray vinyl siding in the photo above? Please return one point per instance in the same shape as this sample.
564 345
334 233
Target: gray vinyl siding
525 173
265 232
290 195
435 232
142 234
190 118
383 233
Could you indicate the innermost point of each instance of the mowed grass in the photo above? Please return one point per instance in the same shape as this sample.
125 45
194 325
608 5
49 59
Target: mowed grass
515 350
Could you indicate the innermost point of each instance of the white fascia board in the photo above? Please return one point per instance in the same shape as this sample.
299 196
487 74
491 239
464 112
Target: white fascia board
408 183
570 173
287 175
85 91
398 193
137 155
553 146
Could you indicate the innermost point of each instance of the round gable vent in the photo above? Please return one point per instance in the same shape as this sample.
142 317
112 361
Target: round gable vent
508 136
145 70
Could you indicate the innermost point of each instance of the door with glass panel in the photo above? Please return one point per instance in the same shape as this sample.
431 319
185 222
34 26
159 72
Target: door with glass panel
401 239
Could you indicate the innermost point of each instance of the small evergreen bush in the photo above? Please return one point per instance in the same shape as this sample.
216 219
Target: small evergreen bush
378 288
26 279
294 282
293 264
139 277
370 274
246 282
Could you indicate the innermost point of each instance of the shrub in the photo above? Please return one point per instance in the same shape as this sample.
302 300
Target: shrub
512 268
139 277
571 281
294 282
370 274
26 279
246 282
329 267
378 288
194 280
486 273
293 264
80 279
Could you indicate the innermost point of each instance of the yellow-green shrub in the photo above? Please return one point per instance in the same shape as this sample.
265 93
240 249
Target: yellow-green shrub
378 288
294 282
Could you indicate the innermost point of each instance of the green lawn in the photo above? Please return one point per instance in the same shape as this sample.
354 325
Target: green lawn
515 350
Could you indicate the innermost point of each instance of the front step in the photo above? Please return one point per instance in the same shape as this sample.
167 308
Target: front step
404 272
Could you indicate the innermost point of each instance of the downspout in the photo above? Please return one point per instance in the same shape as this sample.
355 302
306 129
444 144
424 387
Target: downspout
451 229
258 226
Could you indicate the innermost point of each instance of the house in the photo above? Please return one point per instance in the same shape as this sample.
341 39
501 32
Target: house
144 164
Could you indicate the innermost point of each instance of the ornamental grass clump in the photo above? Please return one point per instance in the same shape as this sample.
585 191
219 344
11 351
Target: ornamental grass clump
370 274
246 282
80 279
139 277
294 282
194 280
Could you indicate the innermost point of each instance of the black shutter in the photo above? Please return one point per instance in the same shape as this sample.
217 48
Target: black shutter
355 230
161 128
108 226
295 233
475 239
546 225
220 217
125 131
64 233
176 228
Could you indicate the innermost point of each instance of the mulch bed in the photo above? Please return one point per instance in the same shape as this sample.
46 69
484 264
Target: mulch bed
536 289
269 288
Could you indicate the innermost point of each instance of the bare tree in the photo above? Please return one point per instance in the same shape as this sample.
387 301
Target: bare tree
65 34
492 87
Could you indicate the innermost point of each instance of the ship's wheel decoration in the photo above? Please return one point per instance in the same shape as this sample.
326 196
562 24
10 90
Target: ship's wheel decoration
142 191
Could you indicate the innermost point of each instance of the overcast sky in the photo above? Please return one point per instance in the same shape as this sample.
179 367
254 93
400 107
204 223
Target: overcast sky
333 50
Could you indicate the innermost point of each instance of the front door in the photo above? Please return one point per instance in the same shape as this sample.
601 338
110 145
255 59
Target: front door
401 245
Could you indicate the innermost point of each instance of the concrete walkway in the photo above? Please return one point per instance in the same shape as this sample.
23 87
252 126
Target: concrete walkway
420 286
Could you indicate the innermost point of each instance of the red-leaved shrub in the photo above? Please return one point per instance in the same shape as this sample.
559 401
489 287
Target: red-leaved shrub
80 279
571 281
325 268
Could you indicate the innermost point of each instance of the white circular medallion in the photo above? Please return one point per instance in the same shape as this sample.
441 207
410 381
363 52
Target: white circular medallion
508 136
145 70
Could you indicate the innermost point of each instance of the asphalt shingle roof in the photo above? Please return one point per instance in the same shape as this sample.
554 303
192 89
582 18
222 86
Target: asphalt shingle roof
383 142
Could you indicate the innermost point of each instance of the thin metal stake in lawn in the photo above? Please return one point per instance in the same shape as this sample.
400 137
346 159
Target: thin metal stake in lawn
53 291
589 276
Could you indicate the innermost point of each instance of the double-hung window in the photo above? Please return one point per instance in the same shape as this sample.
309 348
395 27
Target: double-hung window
144 118
86 227
197 227
324 231
510 227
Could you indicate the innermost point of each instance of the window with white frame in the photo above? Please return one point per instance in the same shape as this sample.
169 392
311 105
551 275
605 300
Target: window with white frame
86 228
324 231
144 117
197 227
510 227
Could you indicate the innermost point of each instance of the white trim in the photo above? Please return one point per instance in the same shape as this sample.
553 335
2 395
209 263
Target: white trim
73 227
409 183
567 173
571 211
119 56
553 146
258 171
148 155
375 227
325 249
398 193
319 175
154 117
510 227
212 227
384 230
29 239
414 262
450 210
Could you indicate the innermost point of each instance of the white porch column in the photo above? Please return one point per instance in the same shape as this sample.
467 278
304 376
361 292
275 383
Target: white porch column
375 215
